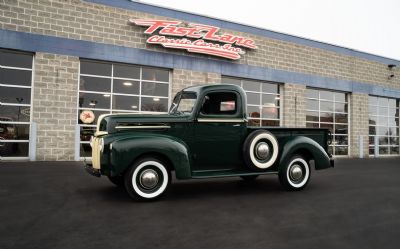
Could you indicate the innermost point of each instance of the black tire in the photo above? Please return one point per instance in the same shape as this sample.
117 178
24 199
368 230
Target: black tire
295 175
249 178
117 180
147 179
260 150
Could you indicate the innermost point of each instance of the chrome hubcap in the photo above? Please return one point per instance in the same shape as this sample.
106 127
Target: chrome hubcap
148 179
296 173
262 150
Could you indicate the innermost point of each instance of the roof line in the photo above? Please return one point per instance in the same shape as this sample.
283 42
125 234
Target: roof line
246 28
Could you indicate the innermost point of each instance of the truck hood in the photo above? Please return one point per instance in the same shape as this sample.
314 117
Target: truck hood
111 123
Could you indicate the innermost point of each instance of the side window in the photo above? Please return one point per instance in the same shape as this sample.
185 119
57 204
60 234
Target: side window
223 103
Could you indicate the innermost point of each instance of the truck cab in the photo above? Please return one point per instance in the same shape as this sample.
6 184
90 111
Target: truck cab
205 134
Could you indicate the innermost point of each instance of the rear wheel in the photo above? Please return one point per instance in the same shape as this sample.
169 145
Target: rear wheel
295 174
147 179
260 150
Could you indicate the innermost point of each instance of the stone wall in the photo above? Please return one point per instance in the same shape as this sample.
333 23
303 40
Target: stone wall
54 105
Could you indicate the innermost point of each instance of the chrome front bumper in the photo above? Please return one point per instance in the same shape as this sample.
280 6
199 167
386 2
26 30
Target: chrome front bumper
96 152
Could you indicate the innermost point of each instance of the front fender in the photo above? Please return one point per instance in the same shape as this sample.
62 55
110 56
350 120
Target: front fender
321 158
126 150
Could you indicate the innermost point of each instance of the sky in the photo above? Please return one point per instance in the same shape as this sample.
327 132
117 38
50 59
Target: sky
364 25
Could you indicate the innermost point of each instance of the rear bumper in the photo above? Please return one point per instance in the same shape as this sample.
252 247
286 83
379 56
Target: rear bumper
94 172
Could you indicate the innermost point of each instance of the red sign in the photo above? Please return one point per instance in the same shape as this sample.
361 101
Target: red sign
222 45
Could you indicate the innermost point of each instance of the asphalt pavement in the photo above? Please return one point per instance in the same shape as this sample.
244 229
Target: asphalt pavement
58 205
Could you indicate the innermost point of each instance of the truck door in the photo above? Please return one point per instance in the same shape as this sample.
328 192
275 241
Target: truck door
219 132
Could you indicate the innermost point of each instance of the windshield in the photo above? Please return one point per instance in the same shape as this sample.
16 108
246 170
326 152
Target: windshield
183 103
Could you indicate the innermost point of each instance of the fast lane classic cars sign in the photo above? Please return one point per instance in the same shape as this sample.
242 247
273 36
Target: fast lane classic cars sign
204 39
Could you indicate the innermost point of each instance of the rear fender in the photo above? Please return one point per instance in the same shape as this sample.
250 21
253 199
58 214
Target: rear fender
321 158
125 151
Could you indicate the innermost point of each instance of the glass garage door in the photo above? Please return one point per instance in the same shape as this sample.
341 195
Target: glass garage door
107 87
15 103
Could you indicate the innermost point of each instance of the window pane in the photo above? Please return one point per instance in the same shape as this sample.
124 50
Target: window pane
383 101
326 95
15 77
383 140
154 89
94 84
253 98
342 150
155 74
15 59
383 150
254 122
270 112
250 85
312 93
394 150
14 149
382 120
125 103
383 111
15 113
228 80
373 110
394 140
327 126
85 150
340 97
312 125
373 100
86 133
14 131
341 118
126 71
373 120
15 95
341 140
339 107
326 106
95 68
269 88
326 117
270 122
341 129
392 103
92 100
154 104
253 111
312 116
270 100
312 105
126 86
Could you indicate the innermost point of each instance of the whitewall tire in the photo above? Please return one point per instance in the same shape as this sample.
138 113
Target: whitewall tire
260 150
295 174
147 179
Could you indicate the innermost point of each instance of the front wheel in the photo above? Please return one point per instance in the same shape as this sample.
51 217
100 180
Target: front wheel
295 174
147 179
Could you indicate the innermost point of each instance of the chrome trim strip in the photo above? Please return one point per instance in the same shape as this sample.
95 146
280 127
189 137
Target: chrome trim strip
218 120
144 127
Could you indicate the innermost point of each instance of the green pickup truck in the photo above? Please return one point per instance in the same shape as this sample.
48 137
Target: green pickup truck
205 134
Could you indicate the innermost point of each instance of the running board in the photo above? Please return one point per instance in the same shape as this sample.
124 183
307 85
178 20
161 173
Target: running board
219 174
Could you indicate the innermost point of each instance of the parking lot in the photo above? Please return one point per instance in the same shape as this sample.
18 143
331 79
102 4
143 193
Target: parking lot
58 205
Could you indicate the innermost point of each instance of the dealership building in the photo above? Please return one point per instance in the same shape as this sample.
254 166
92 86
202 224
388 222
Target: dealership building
64 63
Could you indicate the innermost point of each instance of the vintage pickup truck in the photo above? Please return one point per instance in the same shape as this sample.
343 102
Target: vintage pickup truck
205 134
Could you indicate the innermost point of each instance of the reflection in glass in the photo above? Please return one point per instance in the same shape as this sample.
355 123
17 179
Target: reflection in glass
326 117
14 131
341 150
326 95
340 118
270 112
326 106
269 88
95 68
86 133
122 102
253 111
269 122
155 74
341 129
254 122
15 113
15 77
268 99
340 97
15 59
312 105
394 150
312 125
15 95
126 86
383 150
14 149
154 104
126 71
253 98
85 150
94 84
312 116
340 107
93 100
155 89
383 140
250 85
